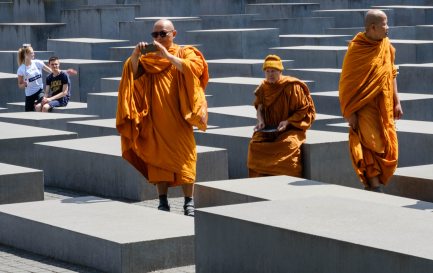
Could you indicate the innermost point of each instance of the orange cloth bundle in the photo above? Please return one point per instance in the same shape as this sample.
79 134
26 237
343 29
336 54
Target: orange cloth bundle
367 89
156 112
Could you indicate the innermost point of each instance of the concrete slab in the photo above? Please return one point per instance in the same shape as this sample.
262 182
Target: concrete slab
413 182
351 17
410 15
45 120
239 67
413 51
324 78
334 165
312 56
415 106
110 84
247 190
84 48
93 156
20 184
334 232
239 43
16 142
314 39
33 33
415 140
209 21
299 25
421 74
89 74
96 21
72 107
165 8
103 234
93 128
424 32
8 59
281 10
102 104
9 89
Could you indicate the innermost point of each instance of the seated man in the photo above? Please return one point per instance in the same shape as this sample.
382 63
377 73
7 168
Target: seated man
285 110
57 88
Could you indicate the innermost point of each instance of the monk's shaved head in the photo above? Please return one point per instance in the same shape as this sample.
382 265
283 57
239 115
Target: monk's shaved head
164 24
373 16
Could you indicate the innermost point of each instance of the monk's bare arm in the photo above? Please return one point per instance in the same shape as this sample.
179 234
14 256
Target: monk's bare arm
398 110
260 122
353 121
177 62
135 57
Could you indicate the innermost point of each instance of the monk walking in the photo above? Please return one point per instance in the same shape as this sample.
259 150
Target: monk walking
285 111
161 96
370 103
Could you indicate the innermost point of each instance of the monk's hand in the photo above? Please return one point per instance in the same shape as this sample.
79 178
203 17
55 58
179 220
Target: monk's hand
259 126
282 126
138 48
398 111
163 52
353 121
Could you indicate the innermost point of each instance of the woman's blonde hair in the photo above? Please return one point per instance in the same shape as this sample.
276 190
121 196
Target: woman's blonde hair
22 51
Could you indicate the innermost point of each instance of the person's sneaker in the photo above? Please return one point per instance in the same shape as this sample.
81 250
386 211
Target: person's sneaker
163 203
188 207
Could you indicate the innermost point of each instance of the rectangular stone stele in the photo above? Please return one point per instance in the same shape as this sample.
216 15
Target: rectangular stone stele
20 184
314 234
103 234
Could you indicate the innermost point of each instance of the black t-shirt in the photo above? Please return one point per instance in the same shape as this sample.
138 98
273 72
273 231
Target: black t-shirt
56 83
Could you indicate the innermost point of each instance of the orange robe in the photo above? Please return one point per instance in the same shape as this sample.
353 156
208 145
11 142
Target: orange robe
367 88
156 111
279 153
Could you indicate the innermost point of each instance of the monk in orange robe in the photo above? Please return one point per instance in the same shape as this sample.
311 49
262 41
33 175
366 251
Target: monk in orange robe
161 97
369 101
285 110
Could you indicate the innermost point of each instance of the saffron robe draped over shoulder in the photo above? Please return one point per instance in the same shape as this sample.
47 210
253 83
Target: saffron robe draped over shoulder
279 153
367 89
156 112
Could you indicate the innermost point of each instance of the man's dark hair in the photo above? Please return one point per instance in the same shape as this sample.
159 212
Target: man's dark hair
52 58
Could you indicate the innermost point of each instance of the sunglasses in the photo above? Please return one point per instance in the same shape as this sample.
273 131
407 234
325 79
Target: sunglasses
161 33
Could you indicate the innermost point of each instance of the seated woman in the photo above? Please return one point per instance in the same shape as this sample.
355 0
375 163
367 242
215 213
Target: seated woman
285 110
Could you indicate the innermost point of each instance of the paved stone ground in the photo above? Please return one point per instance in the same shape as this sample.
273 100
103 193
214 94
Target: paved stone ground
18 261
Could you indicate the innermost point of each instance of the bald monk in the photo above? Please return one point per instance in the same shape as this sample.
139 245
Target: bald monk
285 111
161 97
370 103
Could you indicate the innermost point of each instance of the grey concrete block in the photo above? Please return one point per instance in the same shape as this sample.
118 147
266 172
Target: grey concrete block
167 7
102 234
226 20
53 8
413 51
33 33
9 89
312 56
83 48
281 10
334 232
110 84
89 74
222 7
324 4
345 30
232 116
8 59
121 53
102 104
247 190
413 182
6 12
45 120
232 91
140 29
424 32
93 156
17 142
239 43
79 108
298 25
314 39
239 67
421 74
20 184
31 11
93 128
409 15
351 17
96 22
324 78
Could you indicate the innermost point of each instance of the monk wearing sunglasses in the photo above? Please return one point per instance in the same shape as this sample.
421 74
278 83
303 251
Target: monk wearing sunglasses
161 97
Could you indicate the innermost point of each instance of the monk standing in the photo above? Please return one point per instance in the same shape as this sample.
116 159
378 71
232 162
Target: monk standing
370 103
161 96
285 111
